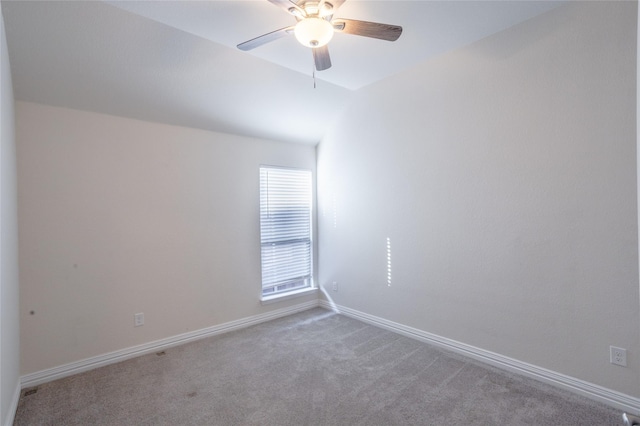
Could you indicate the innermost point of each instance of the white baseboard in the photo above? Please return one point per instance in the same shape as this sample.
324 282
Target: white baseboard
50 374
11 414
610 397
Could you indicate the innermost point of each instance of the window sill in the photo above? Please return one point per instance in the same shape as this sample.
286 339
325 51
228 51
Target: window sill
265 300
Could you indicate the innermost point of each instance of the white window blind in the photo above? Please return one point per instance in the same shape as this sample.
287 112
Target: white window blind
285 229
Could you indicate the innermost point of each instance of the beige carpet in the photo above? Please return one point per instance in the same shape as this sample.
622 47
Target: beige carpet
312 368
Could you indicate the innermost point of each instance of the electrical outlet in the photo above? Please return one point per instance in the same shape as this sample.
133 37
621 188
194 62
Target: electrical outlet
138 320
618 356
335 286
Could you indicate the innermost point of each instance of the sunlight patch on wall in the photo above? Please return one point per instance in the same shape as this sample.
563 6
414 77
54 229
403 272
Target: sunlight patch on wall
388 261
335 211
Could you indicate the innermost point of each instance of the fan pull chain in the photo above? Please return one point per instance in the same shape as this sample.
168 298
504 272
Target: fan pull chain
314 76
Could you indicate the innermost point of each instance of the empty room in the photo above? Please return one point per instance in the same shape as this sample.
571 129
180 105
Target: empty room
279 212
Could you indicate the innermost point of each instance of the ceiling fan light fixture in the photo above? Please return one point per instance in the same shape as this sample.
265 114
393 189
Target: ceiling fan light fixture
314 32
296 12
326 9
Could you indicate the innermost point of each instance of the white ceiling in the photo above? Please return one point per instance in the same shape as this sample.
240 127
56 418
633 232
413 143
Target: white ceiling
176 61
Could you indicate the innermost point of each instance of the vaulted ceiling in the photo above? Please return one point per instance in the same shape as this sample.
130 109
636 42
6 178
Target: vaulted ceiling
176 62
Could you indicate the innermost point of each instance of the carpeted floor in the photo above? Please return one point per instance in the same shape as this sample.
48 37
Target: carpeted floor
312 368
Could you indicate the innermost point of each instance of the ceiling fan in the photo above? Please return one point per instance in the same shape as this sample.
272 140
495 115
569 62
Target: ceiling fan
315 28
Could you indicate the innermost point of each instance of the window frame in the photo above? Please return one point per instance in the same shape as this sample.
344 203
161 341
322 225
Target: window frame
267 232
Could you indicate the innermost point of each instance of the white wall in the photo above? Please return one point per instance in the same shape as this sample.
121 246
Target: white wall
505 176
9 291
119 216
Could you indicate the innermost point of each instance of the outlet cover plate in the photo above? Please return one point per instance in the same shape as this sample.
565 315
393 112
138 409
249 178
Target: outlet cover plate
138 320
618 356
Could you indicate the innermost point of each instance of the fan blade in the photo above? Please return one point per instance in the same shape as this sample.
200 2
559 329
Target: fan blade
321 58
367 29
265 38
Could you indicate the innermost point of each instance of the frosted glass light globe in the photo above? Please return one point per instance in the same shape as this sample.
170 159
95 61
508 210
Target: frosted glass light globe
314 32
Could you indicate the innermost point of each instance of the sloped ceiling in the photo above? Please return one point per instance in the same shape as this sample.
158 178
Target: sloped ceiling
176 62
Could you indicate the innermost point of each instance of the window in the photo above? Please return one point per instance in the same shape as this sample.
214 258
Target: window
285 230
